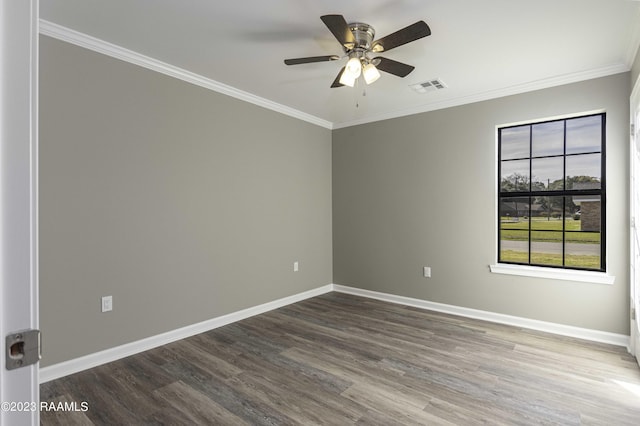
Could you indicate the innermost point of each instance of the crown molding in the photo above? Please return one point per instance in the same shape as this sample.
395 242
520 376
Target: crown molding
97 45
634 42
493 94
68 35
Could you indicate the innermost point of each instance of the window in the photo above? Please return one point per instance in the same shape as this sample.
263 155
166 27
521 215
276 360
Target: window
551 193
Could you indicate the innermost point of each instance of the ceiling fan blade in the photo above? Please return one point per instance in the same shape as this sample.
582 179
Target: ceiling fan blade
310 59
340 29
393 67
336 82
406 35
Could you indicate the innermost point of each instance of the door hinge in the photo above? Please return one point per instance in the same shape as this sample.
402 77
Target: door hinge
633 129
633 314
23 348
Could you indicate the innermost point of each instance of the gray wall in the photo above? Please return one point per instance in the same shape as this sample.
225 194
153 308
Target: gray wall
420 191
182 203
185 205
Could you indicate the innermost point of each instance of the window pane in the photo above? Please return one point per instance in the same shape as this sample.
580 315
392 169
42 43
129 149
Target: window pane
514 246
572 214
584 134
583 254
582 236
547 139
546 248
514 213
588 214
515 175
583 171
546 214
547 174
514 142
514 230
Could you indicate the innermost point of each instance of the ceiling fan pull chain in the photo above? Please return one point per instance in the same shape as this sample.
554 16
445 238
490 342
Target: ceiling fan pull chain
364 89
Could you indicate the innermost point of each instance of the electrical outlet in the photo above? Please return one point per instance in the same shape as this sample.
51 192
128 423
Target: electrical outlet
296 266
107 303
426 271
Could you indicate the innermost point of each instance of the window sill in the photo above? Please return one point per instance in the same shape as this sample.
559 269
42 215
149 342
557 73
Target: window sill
553 273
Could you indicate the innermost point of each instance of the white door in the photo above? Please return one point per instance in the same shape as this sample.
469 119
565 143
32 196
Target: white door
635 221
19 394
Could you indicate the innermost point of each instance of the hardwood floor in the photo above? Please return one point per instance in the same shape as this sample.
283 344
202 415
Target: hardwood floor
340 359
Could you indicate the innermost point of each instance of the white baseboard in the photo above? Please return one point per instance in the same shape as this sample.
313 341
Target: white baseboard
549 327
76 365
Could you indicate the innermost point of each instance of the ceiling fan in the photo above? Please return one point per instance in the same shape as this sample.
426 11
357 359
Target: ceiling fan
360 47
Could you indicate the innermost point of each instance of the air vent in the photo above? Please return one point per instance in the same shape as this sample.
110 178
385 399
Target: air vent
428 86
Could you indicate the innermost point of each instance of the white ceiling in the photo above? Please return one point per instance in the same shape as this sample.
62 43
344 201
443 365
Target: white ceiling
480 49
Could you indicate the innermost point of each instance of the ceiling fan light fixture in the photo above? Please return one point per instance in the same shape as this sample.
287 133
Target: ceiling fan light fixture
347 79
370 73
354 67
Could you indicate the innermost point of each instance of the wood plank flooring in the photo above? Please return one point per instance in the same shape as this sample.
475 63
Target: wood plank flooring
339 359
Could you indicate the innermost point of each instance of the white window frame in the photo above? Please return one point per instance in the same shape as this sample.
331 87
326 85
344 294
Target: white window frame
594 277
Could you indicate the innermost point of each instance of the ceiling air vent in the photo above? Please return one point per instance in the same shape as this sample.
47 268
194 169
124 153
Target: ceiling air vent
428 86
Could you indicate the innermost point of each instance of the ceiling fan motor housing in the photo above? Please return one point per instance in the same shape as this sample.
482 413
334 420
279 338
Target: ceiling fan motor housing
363 33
